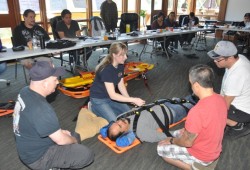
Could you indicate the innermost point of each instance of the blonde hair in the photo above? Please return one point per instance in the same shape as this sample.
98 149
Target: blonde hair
115 48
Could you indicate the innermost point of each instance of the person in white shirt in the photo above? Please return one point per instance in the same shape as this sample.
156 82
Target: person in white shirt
235 87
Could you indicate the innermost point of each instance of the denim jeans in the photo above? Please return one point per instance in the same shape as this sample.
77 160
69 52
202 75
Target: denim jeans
3 67
107 108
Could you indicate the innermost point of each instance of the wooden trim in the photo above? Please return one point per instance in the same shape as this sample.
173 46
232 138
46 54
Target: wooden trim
222 11
43 14
165 7
137 9
124 6
175 4
89 14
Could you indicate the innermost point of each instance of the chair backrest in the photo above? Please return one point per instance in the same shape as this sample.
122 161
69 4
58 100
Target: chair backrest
129 18
181 17
97 25
53 23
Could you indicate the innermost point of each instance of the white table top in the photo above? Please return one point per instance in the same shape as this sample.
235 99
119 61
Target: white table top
10 55
232 28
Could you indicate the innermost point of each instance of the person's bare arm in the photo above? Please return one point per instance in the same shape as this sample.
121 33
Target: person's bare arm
61 34
78 33
122 88
186 140
62 137
229 100
118 97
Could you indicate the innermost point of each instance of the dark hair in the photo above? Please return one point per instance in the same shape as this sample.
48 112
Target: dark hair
27 11
161 14
113 137
202 74
171 13
65 12
247 15
191 14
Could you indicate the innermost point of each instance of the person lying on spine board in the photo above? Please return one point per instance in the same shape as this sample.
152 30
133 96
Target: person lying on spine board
147 128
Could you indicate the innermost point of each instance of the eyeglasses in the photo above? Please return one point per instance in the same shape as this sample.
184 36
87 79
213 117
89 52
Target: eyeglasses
219 60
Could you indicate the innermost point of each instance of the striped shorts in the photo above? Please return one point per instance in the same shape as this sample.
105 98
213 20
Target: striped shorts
178 153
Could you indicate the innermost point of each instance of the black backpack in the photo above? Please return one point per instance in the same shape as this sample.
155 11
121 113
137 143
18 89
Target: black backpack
59 44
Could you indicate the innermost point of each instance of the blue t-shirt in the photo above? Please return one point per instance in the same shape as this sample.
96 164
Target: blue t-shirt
108 74
33 121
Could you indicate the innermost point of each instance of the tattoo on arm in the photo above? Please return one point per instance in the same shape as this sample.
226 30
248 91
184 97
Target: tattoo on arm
190 136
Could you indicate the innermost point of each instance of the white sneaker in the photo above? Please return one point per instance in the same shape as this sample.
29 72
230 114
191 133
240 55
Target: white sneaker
89 106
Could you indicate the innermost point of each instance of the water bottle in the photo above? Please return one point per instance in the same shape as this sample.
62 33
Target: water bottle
116 33
34 42
42 42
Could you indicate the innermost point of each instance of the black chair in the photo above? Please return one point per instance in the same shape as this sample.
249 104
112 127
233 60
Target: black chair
129 18
70 61
181 17
53 23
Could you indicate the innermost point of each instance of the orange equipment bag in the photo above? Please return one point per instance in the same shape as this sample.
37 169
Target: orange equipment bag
7 108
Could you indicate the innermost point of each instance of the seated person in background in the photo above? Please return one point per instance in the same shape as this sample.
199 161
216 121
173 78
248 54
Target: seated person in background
235 87
106 101
246 23
40 142
68 28
201 139
171 22
24 33
146 127
160 24
191 20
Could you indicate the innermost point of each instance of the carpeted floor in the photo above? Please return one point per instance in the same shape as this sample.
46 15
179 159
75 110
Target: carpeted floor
168 79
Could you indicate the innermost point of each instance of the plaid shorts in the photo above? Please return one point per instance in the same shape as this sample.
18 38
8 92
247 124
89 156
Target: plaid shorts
178 153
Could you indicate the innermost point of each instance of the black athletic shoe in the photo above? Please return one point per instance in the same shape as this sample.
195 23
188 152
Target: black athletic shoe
237 132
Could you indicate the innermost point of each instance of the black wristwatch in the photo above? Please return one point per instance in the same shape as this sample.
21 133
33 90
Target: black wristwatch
171 140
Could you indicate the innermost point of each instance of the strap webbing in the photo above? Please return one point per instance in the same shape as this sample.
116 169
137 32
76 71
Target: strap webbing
165 129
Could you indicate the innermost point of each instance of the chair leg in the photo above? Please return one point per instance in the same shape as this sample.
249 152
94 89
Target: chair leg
24 72
16 70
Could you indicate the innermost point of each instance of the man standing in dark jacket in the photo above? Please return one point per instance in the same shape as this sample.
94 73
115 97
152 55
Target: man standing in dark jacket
109 15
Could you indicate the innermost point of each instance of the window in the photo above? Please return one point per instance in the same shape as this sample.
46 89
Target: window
158 5
207 9
4 7
170 6
30 4
146 5
131 6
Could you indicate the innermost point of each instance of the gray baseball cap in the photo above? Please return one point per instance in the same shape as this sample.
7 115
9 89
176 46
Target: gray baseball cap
44 69
223 48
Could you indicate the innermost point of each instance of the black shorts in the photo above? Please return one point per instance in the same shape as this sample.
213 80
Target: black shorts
238 115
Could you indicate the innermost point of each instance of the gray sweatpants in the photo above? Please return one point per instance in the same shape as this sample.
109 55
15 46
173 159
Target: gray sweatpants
72 156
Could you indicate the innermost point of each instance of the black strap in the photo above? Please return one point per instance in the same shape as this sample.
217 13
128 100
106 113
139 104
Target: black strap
165 129
165 115
137 115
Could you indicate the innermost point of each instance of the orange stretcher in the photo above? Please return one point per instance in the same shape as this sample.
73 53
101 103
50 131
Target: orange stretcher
78 87
7 108
112 145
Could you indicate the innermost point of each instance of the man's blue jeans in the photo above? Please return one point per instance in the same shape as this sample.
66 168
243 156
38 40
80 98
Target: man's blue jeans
107 108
